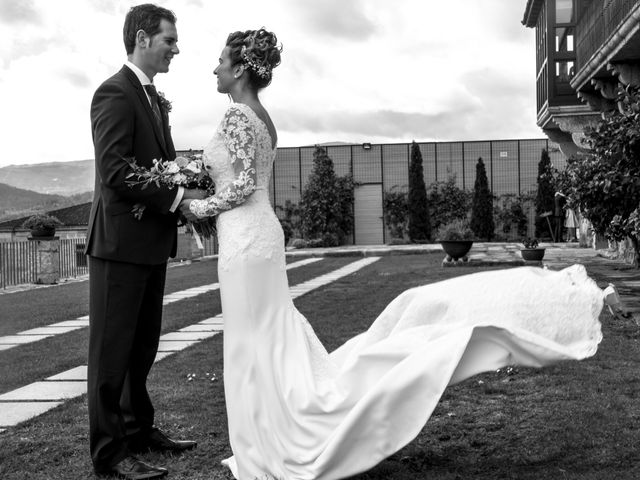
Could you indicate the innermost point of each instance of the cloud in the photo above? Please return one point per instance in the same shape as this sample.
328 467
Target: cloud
337 19
76 78
376 123
14 12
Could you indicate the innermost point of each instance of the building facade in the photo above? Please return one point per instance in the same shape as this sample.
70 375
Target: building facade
512 169
585 51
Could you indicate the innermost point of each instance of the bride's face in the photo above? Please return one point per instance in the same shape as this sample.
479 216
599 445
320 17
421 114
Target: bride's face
225 72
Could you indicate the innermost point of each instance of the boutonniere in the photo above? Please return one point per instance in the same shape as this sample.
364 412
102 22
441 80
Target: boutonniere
164 103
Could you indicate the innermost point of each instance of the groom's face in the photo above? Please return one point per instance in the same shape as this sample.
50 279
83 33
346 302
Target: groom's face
161 48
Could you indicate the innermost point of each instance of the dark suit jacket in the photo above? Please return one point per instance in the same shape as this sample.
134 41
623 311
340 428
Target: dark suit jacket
123 127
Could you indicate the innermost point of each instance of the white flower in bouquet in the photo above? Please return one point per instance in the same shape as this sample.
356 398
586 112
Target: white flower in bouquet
179 178
193 167
171 168
182 161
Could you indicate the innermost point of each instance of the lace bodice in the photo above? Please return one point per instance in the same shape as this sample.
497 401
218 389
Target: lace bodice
240 159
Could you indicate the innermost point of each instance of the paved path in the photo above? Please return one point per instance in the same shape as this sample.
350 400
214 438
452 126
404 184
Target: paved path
37 398
40 333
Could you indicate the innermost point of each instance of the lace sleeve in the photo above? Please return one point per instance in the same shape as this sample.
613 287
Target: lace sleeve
241 146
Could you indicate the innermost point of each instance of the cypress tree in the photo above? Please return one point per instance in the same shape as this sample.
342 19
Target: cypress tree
544 194
419 223
482 222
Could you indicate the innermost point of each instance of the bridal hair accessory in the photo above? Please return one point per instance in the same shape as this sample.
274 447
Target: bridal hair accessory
260 70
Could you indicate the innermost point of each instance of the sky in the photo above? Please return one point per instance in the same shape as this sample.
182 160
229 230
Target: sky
355 71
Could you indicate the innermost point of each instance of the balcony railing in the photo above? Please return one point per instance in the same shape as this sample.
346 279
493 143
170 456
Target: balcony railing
597 23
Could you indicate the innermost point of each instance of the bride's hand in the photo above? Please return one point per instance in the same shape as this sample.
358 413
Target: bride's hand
194 194
184 210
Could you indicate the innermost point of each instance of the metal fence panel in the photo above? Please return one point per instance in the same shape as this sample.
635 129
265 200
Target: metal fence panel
73 261
18 263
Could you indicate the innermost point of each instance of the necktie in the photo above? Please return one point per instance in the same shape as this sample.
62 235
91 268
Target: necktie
153 95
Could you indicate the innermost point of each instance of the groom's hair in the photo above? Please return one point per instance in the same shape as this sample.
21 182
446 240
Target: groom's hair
145 17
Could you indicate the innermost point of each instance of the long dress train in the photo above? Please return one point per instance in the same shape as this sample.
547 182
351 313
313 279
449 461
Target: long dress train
298 412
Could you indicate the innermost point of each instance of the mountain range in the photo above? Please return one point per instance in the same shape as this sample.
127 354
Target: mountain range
54 178
25 189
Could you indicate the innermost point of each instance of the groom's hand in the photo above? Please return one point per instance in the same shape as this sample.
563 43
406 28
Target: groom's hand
184 210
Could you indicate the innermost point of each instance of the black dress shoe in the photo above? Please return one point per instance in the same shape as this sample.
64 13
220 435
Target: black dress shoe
157 441
132 468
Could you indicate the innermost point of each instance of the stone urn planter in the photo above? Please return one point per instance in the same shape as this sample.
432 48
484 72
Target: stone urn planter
456 249
531 251
41 225
456 239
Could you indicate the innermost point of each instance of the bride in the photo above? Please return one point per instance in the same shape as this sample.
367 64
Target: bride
298 412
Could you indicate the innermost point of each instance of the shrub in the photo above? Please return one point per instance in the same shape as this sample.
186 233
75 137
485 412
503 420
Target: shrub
298 243
458 229
604 185
41 220
419 223
448 202
511 213
326 205
290 220
482 222
396 212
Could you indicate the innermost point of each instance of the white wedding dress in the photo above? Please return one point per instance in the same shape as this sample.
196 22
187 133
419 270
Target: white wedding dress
298 412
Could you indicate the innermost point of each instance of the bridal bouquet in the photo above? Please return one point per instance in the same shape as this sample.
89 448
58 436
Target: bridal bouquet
185 171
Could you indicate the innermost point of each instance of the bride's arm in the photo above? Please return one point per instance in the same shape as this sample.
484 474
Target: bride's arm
241 146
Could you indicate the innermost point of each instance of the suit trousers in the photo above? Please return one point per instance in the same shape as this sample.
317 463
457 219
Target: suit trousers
125 315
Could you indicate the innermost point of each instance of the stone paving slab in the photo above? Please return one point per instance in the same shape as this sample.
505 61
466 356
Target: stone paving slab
202 328
46 391
186 336
76 374
14 413
21 339
78 322
213 321
50 330
162 356
175 346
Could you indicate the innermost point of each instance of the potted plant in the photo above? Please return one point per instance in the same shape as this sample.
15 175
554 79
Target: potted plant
456 238
531 251
41 225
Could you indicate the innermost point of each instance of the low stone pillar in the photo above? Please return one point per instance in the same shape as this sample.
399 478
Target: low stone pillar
47 260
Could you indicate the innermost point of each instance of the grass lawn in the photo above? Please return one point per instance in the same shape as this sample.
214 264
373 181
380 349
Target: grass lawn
577 420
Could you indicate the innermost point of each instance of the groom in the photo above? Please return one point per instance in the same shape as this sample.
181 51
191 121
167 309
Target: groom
128 255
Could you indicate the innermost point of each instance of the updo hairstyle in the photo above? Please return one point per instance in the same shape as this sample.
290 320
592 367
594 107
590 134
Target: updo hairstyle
258 51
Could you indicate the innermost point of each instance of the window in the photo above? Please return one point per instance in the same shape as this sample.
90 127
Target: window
565 70
564 39
564 11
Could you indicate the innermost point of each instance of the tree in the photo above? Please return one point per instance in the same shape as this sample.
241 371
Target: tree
447 202
604 184
396 212
418 218
327 203
482 222
545 193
